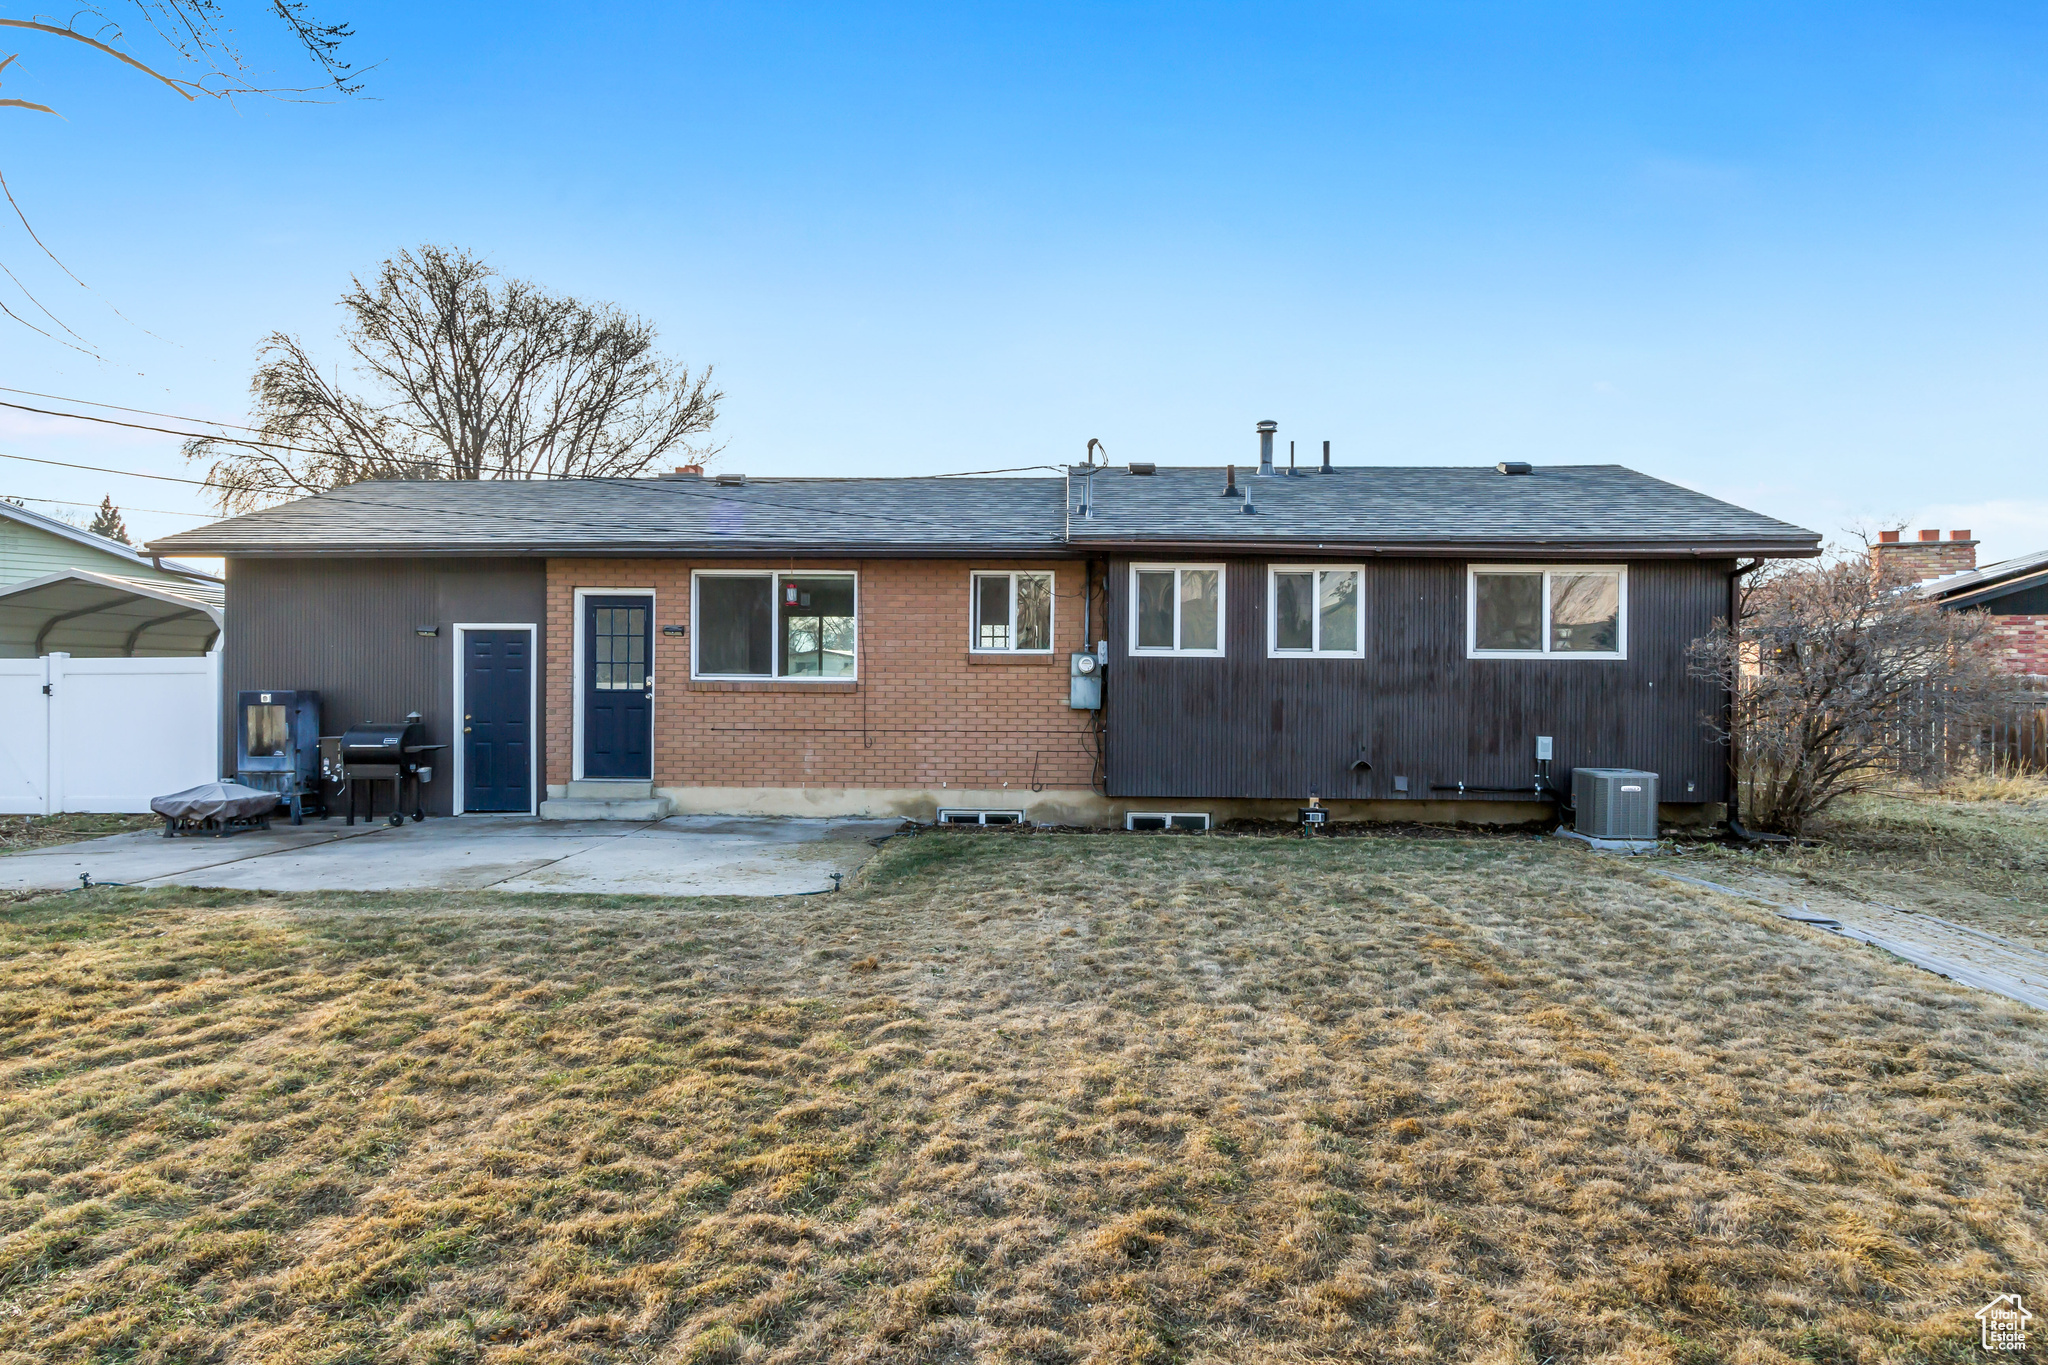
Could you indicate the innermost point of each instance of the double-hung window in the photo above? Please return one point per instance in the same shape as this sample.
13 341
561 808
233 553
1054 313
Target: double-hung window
1177 609
798 626
1532 612
1012 613
1313 611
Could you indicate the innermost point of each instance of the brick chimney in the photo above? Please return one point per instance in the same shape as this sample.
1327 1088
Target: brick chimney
1925 558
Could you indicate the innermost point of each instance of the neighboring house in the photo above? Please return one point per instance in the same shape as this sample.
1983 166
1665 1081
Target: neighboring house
1376 636
2013 593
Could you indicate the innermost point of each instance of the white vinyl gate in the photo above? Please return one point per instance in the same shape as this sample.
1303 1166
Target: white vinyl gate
105 734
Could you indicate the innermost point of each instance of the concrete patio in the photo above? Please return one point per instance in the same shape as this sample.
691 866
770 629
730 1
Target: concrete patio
688 855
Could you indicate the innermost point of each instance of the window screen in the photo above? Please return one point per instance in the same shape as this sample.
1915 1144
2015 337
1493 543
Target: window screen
735 626
1508 611
1155 609
1294 620
817 626
992 611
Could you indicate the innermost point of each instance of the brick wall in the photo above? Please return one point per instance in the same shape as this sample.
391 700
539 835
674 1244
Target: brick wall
1926 556
2021 642
922 714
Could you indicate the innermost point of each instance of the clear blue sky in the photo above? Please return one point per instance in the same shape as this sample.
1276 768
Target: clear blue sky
1789 255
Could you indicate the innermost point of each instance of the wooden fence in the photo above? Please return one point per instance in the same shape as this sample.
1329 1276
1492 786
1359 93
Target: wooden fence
1935 738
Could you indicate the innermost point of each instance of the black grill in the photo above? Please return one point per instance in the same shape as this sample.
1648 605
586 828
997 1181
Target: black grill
393 752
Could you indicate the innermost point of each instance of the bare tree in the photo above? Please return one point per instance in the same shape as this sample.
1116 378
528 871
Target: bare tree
192 35
1833 665
471 376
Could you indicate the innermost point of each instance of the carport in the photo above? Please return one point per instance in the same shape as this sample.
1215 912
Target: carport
91 615
110 688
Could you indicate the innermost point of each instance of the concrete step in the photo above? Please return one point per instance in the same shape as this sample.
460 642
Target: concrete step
609 789
587 808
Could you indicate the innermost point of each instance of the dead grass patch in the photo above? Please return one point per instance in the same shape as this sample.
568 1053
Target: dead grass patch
1977 855
18 832
1038 1098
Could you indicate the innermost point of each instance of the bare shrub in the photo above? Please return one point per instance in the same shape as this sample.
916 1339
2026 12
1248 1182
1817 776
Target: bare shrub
1843 680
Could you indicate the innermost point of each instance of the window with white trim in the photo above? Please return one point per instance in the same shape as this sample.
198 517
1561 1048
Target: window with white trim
802 627
1011 613
952 815
1157 820
1177 609
1518 611
1313 610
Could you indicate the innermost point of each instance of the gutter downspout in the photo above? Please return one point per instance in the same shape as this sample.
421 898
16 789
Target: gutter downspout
1735 577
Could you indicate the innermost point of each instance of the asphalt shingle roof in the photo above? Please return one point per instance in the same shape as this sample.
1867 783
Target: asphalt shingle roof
1425 509
1428 505
570 516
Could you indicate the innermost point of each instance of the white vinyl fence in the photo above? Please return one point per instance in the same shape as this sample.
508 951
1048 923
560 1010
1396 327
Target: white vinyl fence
105 734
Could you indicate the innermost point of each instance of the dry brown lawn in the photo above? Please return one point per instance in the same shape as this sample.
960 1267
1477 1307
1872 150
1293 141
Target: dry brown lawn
1977 854
1012 1097
18 832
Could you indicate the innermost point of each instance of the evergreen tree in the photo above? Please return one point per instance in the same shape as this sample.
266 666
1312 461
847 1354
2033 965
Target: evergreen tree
107 521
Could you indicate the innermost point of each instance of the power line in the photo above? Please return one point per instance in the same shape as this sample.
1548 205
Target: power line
194 435
304 450
140 412
96 469
61 502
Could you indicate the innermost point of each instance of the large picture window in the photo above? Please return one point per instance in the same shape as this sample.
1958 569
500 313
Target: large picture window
800 626
1177 609
1313 610
1572 612
1012 613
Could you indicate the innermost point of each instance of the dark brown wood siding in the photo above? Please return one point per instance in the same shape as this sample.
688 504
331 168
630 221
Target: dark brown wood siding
348 629
1414 706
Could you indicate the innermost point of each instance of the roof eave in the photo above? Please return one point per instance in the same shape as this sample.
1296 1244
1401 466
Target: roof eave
641 550
1985 592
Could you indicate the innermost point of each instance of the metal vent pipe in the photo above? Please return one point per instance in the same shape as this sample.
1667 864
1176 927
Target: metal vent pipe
1266 430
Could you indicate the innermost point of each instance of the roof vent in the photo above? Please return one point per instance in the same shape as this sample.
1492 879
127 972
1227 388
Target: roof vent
732 481
1515 467
1141 467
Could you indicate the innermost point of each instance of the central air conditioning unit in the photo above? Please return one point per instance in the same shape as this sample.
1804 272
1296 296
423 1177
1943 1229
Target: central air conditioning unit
1614 803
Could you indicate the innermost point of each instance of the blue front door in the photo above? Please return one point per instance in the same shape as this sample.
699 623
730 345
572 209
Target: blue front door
497 720
618 687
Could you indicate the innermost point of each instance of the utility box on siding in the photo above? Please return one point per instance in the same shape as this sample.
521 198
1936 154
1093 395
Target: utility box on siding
1614 803
1084 682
